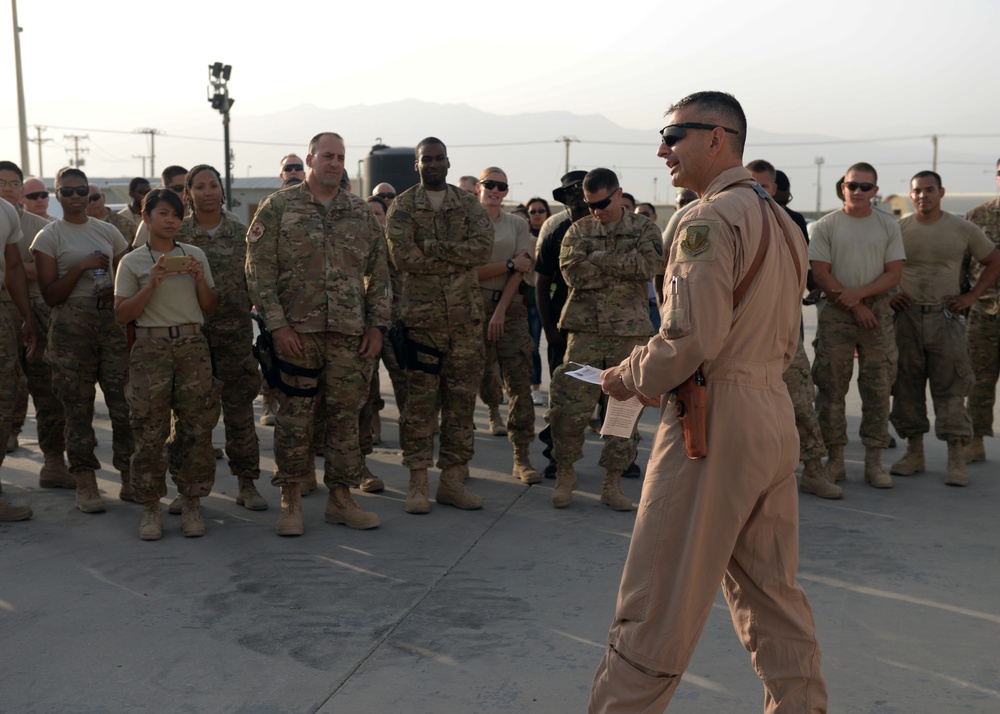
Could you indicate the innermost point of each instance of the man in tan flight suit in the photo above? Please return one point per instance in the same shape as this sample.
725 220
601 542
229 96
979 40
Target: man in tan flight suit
733 515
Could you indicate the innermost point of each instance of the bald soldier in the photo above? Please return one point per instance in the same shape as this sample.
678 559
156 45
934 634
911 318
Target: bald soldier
698 525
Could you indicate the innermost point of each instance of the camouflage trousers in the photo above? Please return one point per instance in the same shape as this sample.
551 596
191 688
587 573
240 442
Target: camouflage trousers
932 348
87 347
10 375
572 400
396 375
800 388
50 419
512 353
343 386
984 354
234 365
837 336
172 375
369 412
452 390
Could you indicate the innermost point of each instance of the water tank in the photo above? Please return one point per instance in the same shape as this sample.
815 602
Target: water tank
392 165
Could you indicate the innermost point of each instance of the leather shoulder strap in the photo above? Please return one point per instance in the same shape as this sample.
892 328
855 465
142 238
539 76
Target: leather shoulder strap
765 241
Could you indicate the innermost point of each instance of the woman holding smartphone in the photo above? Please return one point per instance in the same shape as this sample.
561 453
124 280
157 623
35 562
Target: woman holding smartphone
166 288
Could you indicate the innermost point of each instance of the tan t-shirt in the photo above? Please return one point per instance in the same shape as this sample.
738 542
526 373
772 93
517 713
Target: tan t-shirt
934 255
31 225
175 300
511 237
69 243
857 249
10 233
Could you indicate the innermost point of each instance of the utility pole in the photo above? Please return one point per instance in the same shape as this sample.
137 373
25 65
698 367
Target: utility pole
934 142
39 141
566 140
143 157
654 189
22 122
76 150
218 82
819 184
152 149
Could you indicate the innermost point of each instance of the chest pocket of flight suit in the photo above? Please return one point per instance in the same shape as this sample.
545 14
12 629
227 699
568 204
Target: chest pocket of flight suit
675 313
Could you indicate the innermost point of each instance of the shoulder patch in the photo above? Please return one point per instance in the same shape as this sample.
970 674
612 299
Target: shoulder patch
256 231
697 241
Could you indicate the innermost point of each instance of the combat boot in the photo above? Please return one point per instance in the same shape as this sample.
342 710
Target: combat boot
370 483
341 508
611 492
451 490
874 473
88 498
835 463
192 524
248 496
418 494
816 480
290 521
127 491
913 460
176 506
151 527
268 409
957 475
975 451
566 483
523 470
10 512
54 473
496 423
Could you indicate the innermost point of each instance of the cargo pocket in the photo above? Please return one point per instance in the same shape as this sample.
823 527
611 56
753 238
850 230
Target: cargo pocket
676 313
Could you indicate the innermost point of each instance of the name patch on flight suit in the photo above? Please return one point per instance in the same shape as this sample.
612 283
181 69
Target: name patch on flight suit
698 241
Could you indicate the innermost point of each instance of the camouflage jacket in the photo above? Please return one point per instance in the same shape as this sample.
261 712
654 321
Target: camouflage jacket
987 217
124 223
317 271
226 253
437 253
608 275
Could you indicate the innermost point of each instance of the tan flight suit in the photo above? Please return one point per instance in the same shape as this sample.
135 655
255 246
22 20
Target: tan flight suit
732 516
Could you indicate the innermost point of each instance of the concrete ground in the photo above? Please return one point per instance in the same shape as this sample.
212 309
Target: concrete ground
500 610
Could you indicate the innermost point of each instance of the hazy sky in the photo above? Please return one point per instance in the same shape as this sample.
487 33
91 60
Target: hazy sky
854 71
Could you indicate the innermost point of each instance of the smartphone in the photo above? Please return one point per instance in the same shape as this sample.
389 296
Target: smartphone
176 263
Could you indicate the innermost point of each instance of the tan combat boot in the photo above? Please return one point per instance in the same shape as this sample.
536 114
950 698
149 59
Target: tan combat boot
268 408
290 521
523 470
88 498
10 512
418 494
248 496
496 423
913 460
874 473
192 524
611 492
451 490
370 483
816 480
127 491
566 483
975 451
835 463
151 527
341 508
957 475
54 473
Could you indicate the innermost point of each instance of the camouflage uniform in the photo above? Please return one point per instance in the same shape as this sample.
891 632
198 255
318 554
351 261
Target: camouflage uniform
984 328
124 223
324 274
230 337
800 388
396 375
606 316
437 253
513 354
10 373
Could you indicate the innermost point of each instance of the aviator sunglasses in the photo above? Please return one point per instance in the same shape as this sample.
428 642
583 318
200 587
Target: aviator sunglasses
854 186
67 191
672 133
36 195
291 167
490 185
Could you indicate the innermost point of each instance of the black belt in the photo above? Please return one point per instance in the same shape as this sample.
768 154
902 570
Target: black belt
172 332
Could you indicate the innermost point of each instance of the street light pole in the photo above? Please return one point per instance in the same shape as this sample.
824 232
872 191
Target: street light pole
21 120
819 184
218 90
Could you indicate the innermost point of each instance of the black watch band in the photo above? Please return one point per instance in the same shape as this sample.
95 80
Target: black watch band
510 266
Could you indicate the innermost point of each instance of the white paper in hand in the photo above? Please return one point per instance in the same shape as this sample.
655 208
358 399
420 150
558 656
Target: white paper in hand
621 417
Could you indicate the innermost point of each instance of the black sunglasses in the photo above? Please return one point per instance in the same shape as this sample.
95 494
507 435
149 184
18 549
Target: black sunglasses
854 186
176 187
96 197
536 211
672 133
291 167
386 195
603 203
36 195
490 185
67 191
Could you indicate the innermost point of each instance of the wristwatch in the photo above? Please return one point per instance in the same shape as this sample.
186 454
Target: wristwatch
510 266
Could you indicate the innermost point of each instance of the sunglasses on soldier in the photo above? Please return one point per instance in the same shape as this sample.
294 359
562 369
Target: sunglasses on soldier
672 133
